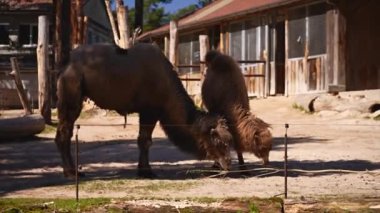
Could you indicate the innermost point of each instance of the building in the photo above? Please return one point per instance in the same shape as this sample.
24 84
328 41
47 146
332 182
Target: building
300 46
18 37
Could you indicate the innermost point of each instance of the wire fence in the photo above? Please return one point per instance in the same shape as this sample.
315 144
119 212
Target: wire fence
266 171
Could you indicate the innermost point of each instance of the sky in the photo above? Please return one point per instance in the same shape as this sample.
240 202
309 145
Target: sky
172 7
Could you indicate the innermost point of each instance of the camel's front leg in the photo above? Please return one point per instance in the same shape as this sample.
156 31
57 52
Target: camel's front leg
147 124
63 141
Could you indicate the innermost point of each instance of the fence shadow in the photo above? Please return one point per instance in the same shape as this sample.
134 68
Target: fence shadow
34 163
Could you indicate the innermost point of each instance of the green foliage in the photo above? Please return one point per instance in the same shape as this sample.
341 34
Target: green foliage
183 12
253 208
155 15
15 205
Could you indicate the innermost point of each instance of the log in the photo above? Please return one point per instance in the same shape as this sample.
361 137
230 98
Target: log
19 86
43 66
112 22
19 127
173 42
122 21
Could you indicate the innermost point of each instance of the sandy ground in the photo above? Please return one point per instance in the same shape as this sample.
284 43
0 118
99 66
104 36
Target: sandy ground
108 156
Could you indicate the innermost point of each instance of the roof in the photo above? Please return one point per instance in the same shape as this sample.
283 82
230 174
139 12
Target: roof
25 4
220 10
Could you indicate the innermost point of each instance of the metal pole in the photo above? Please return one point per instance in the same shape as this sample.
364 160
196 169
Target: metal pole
76 165
286 160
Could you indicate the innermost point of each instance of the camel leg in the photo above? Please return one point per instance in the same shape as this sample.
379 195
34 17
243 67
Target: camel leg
240 158
69 107
144 140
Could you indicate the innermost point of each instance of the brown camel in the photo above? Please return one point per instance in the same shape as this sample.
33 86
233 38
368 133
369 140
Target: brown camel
224 92
140 80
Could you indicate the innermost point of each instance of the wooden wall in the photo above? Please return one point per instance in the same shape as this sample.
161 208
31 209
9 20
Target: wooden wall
255 85
363 44
304 76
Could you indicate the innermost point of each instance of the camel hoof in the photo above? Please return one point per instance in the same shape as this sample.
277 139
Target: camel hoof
71 174
146 174
216 165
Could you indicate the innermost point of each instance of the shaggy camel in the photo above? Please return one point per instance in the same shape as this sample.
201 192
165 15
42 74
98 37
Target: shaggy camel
224 92
140 80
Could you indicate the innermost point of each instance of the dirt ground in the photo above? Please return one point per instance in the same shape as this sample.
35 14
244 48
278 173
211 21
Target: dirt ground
330 157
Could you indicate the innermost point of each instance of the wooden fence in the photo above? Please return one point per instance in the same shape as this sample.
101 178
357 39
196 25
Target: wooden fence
253 71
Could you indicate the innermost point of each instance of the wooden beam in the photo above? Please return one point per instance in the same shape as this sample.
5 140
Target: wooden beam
20 88
173 42
43 66
122 21
204 47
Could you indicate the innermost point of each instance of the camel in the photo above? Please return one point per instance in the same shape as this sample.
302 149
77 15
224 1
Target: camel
224 93
139 79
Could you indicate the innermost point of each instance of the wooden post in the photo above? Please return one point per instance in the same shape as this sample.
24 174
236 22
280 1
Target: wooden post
112 22
57 34
85 29
166 46
203 49
42 65
267 63
20 88
173 42
65 31
287 72
222 39
139 14
122 21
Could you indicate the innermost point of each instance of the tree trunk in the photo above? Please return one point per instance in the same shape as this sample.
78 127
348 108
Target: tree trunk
43 66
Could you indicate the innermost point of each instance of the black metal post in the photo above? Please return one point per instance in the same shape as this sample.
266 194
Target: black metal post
76 165
286 160
139 14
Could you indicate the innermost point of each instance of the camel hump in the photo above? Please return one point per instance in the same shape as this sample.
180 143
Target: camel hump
222 63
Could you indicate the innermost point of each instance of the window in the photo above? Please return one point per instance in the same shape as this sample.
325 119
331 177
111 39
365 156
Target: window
297 32
247 40
4 34
307 24
189 53
236 47
251 41
317 29
28 34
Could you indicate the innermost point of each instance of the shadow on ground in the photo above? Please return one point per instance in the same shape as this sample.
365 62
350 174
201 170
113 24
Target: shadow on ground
34 163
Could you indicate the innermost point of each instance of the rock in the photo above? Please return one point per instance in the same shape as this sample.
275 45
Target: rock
349 114
327 113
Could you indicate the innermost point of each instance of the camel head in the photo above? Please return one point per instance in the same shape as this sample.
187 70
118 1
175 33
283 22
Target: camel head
216 140
263 144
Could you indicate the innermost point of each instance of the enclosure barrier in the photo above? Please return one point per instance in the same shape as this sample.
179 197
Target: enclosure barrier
285 170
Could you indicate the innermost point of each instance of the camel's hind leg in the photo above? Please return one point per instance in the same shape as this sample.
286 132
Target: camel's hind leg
147 124
69 107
